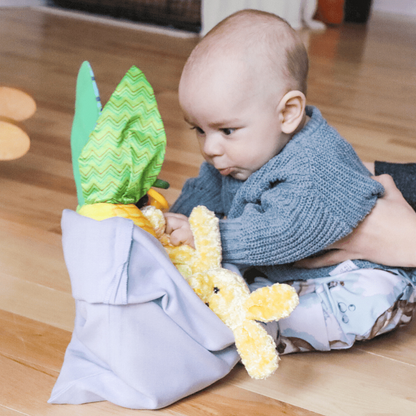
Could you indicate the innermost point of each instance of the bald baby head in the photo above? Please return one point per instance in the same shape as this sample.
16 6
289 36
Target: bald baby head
243 91
264 42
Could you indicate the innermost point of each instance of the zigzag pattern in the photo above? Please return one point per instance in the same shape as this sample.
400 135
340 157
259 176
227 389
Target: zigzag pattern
125 152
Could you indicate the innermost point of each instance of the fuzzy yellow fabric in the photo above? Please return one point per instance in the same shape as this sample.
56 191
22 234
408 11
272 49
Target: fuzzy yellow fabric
261 305
227 294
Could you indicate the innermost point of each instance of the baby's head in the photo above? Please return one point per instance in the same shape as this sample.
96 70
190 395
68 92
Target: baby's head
243 91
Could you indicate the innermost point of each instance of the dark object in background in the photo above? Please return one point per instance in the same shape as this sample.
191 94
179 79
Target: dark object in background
335 12
357 11
331 12
404 176
180 14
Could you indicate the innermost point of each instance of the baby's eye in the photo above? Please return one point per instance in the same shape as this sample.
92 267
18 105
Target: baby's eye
198 130
228 131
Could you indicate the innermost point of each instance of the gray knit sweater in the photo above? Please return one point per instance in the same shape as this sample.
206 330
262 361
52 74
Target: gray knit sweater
314 192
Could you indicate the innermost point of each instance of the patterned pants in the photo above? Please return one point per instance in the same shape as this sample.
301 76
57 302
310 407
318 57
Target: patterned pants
337 310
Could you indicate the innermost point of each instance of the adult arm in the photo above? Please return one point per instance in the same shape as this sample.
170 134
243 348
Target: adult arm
386 236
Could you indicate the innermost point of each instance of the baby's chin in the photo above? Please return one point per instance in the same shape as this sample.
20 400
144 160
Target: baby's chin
240 175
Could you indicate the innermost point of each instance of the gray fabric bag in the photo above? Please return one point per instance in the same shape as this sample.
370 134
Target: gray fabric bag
142 339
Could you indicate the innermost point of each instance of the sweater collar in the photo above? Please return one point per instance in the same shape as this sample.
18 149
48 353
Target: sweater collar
313 124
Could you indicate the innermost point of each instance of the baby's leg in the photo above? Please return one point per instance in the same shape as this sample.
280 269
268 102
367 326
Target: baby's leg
336 311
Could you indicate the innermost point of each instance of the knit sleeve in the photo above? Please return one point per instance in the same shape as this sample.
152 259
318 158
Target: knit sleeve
281 234
404 176
315 200
202 190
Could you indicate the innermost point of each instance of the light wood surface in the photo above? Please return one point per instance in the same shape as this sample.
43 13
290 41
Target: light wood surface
362 78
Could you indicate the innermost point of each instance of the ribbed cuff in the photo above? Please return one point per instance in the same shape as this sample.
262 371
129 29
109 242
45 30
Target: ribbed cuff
233 243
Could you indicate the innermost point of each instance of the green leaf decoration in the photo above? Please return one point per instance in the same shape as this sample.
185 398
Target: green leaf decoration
87 110
160 183
125 152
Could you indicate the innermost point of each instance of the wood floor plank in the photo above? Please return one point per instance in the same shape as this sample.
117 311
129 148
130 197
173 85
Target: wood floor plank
33 205
32 342
398 345
34 255
21 173
37 302
224 398
9 412
29 390
361 139
50 166
341 383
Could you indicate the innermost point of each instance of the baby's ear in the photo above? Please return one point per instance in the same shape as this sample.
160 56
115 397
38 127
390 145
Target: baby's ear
291 111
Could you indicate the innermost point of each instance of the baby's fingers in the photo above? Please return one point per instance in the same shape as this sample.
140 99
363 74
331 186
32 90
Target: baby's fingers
175 221
182 236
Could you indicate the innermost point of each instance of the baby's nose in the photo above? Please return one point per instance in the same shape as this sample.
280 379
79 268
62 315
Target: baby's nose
212 146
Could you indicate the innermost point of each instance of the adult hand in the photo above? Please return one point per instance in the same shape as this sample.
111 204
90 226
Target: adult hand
386 236
179 229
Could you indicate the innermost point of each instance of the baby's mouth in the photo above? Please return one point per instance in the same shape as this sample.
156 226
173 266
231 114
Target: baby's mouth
226 171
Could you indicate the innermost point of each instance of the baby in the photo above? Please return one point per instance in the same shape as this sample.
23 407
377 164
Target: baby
284 184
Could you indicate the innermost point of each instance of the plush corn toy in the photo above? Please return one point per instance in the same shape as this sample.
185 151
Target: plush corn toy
118 151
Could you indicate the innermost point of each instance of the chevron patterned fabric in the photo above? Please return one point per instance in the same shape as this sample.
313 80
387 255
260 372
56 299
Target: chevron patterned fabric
125 151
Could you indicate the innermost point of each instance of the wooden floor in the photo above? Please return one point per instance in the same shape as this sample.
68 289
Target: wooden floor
363 78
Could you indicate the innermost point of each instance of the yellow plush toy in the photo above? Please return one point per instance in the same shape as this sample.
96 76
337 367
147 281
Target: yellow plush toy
226 293
117 154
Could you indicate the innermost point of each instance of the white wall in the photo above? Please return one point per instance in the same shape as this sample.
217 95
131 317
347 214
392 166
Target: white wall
405 7
213 11
22 3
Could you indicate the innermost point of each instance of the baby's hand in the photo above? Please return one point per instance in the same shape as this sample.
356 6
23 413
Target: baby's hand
179 229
